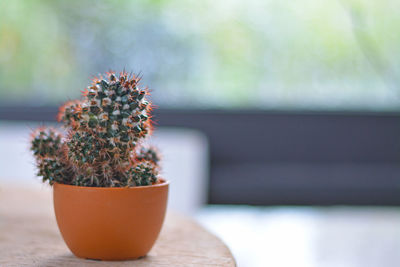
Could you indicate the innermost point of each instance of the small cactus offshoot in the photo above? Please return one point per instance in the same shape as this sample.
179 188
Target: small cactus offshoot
103 145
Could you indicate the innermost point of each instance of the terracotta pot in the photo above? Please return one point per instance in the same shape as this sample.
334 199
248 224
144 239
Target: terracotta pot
110 223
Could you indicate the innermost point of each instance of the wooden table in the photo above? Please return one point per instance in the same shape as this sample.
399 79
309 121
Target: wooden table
29 237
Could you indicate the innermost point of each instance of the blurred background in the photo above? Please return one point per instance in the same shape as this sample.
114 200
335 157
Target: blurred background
269 55
274 104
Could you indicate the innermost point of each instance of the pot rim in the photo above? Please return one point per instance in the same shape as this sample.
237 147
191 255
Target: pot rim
162 183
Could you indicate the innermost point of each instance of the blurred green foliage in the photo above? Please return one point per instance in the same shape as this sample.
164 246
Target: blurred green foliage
306 54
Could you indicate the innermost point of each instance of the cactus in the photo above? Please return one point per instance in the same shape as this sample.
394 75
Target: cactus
105 132
47 146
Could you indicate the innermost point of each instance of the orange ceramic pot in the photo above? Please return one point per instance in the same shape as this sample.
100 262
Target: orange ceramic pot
110 223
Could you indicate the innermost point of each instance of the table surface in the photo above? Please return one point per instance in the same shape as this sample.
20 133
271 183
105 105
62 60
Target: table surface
29 237
284 236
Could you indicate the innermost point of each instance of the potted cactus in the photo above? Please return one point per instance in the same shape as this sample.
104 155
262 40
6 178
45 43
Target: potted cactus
109 200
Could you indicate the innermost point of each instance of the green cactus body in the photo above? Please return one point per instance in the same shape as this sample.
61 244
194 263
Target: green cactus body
104 141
